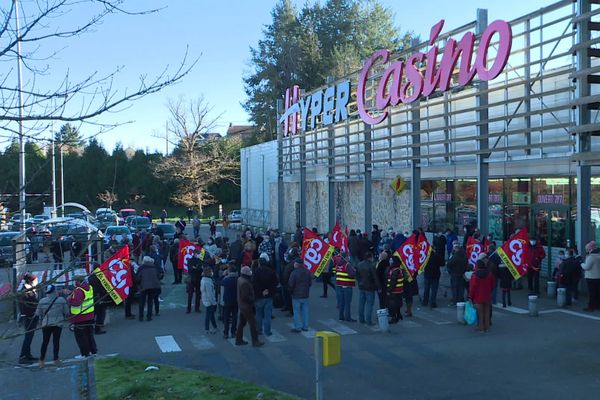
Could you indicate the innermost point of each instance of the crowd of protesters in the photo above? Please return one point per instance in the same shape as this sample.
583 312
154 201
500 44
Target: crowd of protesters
239 283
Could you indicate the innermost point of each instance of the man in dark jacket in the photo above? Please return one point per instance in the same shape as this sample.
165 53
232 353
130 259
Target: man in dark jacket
230 305
570 272
375 237
245 299
195 265
101 302
432 276
368 284
148 277
28 302
457 265
264 281
299 284
174 258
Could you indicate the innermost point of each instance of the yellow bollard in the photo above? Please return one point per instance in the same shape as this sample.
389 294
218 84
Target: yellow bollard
327 352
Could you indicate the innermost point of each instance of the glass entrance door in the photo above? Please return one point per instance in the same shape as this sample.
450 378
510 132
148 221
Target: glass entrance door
551 225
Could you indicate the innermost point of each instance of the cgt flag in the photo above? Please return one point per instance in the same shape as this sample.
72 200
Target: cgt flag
186 252
115 275
336 236
406 253
316 254
474 249
424 251
515 253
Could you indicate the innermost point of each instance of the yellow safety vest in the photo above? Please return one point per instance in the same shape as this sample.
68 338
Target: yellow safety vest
87 306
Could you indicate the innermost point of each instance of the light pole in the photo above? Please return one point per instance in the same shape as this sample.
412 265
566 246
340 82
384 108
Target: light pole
62 176
22 195
53 175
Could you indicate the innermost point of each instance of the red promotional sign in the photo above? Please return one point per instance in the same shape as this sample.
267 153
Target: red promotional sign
115 275
423 253
474 249
186 252
316 254
406 253
515 253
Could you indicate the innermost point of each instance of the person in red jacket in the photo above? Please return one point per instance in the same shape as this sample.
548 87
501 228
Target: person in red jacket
535 265
81 302
480 293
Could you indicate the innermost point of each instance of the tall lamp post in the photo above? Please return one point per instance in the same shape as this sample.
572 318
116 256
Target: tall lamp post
21 136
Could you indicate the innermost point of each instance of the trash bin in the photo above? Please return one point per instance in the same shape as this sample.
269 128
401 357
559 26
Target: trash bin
382 319
533 308
551 289
561 297
460 312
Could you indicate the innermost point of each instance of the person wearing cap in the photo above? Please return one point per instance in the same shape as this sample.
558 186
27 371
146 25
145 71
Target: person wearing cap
591 266
480 293
299 284
457 266
394 289
28 302
195 265
52 311
245 299
81 302
264 281
148 277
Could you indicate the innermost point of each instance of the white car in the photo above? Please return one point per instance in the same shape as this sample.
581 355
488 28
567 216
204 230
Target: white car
120 232
235 216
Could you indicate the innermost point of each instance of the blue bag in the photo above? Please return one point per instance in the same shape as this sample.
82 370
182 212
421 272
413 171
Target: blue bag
470 313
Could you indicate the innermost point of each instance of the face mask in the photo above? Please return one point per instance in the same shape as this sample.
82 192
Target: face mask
533 242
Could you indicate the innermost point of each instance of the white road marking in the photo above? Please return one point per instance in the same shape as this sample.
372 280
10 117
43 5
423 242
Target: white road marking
512 309
201 342
167 344
276 337
336 326
410 324
575 313
431 318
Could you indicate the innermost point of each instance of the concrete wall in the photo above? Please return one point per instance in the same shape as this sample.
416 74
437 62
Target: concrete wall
258 171
317 205
390 210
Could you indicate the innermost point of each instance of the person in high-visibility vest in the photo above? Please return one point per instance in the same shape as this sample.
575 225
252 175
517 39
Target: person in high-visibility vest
394 289
344 280
81 302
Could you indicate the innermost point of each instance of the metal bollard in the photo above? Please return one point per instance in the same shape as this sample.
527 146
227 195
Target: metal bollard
382 319
460 312
551 292
561 297
533 308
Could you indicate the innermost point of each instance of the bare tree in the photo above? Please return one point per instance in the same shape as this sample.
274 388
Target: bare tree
108 198
45 24
199 159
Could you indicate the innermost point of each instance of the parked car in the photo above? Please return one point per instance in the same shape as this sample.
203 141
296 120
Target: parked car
120 232
16 219
235 216
168 230
105 220
37 219
103 211
7 252
139 223
129 219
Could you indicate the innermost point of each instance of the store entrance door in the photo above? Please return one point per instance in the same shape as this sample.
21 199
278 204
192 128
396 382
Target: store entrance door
552 226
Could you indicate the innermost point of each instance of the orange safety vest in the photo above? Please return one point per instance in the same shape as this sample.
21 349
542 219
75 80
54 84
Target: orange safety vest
341 276
398 286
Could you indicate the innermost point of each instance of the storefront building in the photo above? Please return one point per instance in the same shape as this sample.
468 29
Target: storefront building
492 124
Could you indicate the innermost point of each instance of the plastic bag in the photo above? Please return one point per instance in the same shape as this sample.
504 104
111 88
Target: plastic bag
470 313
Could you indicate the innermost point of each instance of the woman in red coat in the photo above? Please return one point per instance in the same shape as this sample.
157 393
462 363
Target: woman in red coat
480 292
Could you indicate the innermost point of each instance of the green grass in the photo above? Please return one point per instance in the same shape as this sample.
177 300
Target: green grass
118 378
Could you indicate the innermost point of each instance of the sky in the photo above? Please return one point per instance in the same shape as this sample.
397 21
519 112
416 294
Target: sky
219 34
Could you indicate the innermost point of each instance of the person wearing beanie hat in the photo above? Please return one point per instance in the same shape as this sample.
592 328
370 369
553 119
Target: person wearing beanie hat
52 311
245 299
591 268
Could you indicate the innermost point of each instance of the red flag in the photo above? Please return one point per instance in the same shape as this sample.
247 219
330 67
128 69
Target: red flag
186 251
515 253
344 246
406 253
335 237
423 251
474 249
115 275
316 254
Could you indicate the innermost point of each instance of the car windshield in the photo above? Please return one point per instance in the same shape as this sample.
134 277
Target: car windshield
107 217
6 240
117 230
141 221
166 228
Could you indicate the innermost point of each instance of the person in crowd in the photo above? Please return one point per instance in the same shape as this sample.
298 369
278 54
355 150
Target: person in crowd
163 216
411 289
299 284
81 302
132 291
174 258
450 239
364 245
180 225
353 246
211 247
326 276
195 265
51 311
225 223
264 281
248 254
230 305
535 265
569 275
158 233
457 266
235 250
375 237
245 299
556 270
292 253
394 289
480 293
209 299
399 239
101 302
148 277
137 246
57 253
468 231
110 251
368 284
196 226
344 280
381 269
190 213
432 273
147 241
212 225
591 268
494 263
281 246
506 279
266 246
28 302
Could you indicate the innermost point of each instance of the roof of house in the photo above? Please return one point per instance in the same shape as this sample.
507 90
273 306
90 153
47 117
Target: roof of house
239 129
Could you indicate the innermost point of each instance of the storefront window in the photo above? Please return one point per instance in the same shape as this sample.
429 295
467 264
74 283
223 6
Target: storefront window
465 215
427 189
518 191
496 215
426 216
466 191
496 189
515 217
551 191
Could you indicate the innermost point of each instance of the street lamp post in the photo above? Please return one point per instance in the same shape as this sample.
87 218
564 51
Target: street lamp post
22 193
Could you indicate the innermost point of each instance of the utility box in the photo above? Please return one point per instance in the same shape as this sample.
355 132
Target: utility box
332 347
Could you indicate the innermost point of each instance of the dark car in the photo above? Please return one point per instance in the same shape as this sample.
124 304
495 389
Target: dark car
140 223
7 251
105 220
168 231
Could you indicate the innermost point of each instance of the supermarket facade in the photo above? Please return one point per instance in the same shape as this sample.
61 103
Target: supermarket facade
492 124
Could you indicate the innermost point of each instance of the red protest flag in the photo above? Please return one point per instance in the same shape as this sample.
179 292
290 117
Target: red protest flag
406 253
186 252
474 249
335 237
316 254
115 275
515 253
423 250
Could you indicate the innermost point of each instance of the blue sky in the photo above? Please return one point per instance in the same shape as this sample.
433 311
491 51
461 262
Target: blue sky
221 33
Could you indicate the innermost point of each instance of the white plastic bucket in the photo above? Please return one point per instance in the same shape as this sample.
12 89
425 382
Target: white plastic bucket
382 319
533 309
460 312
561 297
